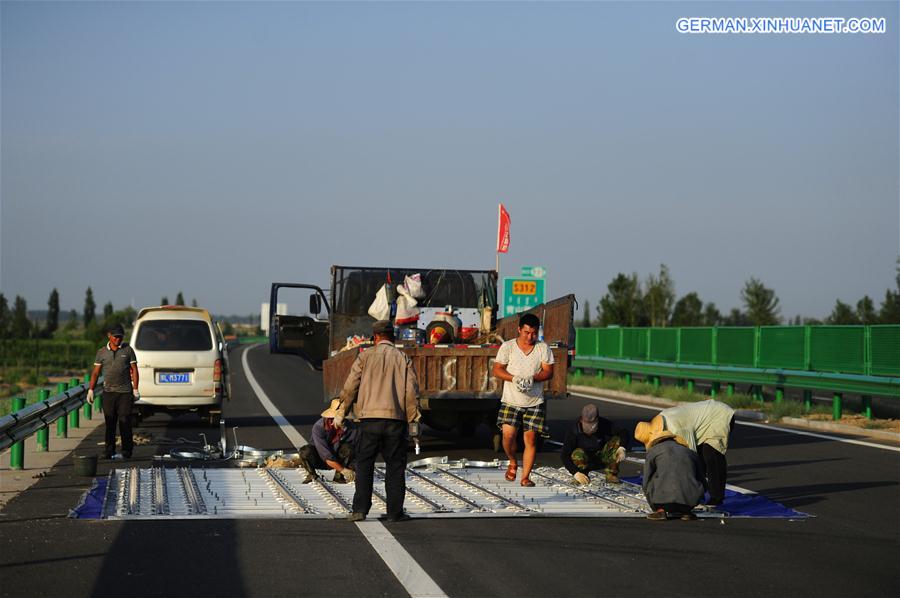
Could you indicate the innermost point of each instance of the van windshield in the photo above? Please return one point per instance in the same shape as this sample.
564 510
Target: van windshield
174 335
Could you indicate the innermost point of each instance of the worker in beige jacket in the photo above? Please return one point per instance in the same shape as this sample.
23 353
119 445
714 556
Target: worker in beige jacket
383 389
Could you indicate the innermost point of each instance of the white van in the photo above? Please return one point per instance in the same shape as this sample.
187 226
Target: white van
182 362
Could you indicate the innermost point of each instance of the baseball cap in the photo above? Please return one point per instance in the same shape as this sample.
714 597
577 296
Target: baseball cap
589 417
116 330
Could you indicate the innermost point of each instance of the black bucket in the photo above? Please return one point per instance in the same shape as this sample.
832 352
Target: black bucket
86 465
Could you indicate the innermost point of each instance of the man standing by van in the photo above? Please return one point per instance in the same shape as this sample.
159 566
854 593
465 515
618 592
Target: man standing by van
120 382
382 389
524 364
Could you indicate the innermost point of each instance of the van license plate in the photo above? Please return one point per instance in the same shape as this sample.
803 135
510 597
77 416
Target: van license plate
174 377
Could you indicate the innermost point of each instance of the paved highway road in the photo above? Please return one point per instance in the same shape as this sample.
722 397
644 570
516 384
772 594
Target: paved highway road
849 549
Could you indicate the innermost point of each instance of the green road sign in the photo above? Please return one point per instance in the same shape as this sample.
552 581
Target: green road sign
534 272
521 294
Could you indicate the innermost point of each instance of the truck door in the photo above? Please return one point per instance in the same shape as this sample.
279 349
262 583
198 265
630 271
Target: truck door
301 329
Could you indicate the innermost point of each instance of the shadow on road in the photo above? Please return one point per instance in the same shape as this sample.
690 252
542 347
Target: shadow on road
796 496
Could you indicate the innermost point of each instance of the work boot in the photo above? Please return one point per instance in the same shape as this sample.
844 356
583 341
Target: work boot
339 478
659 515
356 517
688 517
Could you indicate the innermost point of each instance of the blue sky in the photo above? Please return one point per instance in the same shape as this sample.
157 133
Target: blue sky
217 147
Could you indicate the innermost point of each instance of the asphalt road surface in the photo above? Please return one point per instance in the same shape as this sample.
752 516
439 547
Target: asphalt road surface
850 548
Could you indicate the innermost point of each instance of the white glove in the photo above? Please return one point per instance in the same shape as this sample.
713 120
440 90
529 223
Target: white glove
582 479
348 474
620 454
90 396
338 421
137 395
523 383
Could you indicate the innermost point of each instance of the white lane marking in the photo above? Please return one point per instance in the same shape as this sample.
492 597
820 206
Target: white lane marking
825 436
407 571
756 425
290 431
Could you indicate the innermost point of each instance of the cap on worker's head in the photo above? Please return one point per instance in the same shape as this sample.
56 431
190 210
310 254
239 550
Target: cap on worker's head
116 330
383 327
589 417
332 409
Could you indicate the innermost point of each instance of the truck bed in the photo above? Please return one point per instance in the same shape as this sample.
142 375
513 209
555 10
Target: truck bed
451 372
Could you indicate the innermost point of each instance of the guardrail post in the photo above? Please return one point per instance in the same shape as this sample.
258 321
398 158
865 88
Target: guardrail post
837 406
579 371
17 451
779 394
807 400
627 377
62 428
729 390
867 406
758 394
43 435
600 374
73 414
86 411
690 385
655 382
714 389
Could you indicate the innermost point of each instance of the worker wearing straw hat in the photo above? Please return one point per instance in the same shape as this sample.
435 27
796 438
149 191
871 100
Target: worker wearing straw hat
673 475
705 427
332 447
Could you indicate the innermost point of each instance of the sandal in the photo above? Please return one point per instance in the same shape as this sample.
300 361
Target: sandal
527 483
511 472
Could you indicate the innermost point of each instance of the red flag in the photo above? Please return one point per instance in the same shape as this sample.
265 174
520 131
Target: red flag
503 231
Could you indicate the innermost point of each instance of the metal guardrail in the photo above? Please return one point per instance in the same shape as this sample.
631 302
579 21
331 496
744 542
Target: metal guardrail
21 424
854 384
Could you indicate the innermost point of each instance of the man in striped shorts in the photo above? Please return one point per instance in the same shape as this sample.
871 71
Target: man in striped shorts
523 364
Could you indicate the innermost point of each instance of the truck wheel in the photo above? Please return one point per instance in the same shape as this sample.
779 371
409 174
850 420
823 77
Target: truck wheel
212 419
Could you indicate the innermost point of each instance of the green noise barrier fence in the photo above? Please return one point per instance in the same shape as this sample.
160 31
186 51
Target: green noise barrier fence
862 360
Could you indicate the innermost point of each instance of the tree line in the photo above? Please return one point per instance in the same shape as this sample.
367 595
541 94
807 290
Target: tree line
89 325
630 301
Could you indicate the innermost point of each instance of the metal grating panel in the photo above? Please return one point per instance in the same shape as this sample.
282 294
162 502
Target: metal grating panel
837 349
782 347
634 343
608 342
885 354
663 344
735 346
696 346
441 489
586 341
